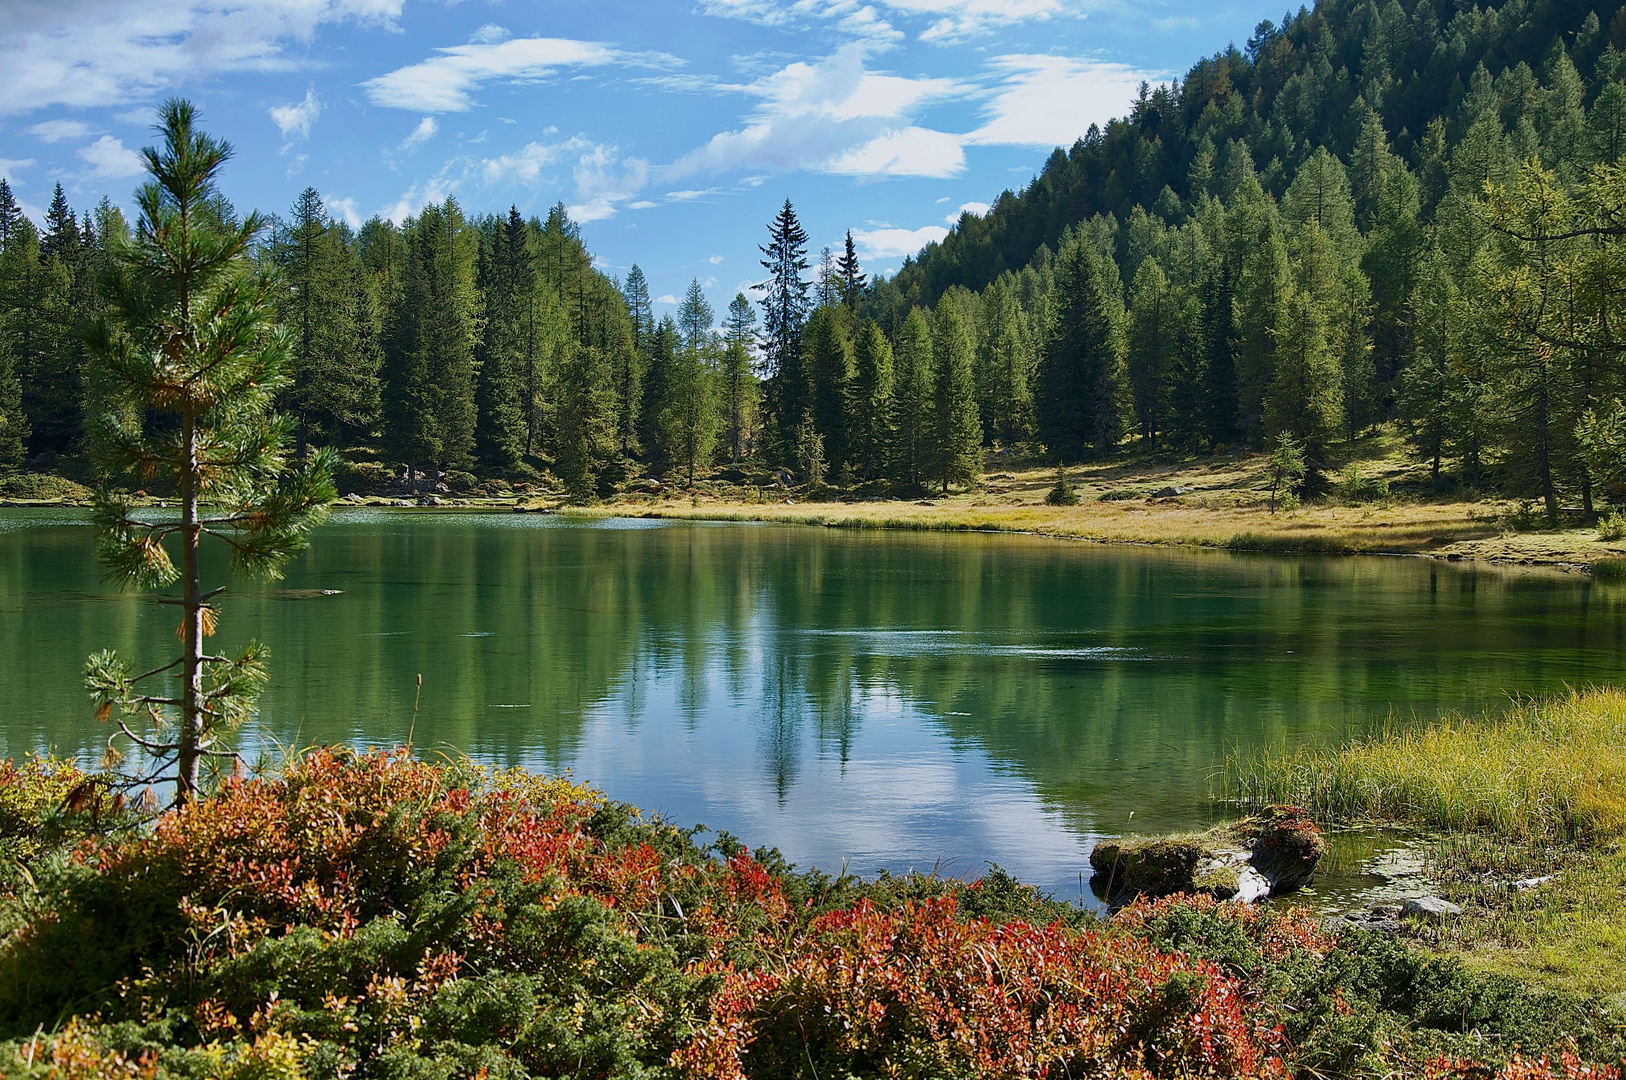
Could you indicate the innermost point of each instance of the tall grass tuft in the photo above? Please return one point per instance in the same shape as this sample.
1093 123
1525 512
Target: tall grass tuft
1552 769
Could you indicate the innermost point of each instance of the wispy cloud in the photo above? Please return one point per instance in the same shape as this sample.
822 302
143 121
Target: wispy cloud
447 82
602 179
419 135
940 21
109 159
55 131
107 52
835 115
296 119
10 167
345 210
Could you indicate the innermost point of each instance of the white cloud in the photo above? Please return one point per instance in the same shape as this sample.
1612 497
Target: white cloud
642 204
914 151
947 21
344 209
715 260
109 52
602 179
1046 101
296 119
666 298
9 168
110 159
419 135
834 115
977 208
446 83
54 131
886 242
490 34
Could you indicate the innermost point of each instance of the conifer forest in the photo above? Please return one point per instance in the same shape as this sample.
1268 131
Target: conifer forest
1366 215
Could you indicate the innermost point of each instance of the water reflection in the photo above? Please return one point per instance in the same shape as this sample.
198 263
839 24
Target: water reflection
886 699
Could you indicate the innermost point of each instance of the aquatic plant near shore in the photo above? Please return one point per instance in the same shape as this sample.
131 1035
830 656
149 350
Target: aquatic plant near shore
1552 769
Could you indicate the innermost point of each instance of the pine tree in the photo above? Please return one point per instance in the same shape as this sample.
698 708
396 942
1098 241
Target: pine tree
691 413
913 395
1005 366
586 440
739 383
829 364
10 213
506 352
1079 395
198 418
852 276
429 383
956 456
1153 341
871 415
19 271
1305 398
659 380
784 311
1259 250
1220 412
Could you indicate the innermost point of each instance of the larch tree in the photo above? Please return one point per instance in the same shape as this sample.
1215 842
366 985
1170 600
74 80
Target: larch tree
739 381
871 416
1079 390
912 396
190 361
956 451
829 365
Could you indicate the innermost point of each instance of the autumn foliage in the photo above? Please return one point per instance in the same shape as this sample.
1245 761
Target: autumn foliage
372 915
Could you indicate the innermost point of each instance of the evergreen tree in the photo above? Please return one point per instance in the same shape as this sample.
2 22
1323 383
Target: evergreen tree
587 436
956 439
739 382
197 418
1221 420
829 365
429 373
19 272
1153 342
1079 372
1305 399
659 381
691 414
852 276
10 213
784 311
871 416
913 395
1260 251
506 350
1005 366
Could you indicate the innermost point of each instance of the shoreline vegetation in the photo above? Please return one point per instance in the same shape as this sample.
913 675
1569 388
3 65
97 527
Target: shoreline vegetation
370 914
1376 507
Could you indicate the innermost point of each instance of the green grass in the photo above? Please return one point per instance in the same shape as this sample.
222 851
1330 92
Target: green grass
1553 769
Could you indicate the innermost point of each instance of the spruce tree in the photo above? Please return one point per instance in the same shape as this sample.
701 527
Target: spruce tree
956 451
913 396
871 416
10 213
1220 413
190 362
506 351
587 436
784 311
851 274
1005 367
829 365
653 429
1305 397
1079 386
1153 340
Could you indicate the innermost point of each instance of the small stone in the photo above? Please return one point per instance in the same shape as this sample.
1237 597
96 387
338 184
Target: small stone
1431 907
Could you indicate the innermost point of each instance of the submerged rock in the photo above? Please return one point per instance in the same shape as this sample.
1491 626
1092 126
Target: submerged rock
1272 853
1430 907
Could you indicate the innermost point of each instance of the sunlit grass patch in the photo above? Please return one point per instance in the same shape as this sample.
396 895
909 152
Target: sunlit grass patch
1547 769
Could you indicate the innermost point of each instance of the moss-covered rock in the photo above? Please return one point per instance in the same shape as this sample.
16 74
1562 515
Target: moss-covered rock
1269 854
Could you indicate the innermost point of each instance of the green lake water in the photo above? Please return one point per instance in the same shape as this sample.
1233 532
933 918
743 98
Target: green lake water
864 699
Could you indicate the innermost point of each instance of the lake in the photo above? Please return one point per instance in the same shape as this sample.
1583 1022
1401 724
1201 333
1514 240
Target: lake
867 699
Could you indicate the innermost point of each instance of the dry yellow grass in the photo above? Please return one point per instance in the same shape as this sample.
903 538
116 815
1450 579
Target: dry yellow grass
1224 502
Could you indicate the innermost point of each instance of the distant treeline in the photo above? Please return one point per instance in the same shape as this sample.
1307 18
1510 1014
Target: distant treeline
1371 215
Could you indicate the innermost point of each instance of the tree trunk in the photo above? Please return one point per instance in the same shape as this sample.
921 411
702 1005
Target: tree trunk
1434 474
1586 496
189 753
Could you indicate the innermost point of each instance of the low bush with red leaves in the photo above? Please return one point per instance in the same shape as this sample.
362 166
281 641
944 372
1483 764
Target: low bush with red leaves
371 915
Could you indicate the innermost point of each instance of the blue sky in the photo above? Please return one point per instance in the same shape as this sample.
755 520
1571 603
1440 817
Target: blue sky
672 131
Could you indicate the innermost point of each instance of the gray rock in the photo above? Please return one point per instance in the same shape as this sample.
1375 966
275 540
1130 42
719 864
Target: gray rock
1431 907
1169 492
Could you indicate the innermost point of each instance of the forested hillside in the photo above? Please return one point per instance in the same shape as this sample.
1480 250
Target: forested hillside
1368 216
